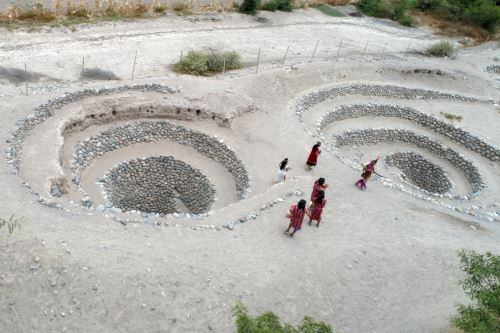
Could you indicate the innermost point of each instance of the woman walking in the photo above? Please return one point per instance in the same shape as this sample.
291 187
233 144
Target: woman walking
316 208
296 216
312 160
283 168
318 186
368 170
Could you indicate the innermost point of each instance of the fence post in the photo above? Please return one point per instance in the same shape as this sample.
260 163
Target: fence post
258 60
383 50
26 78
314 52
133 67
224 64
340 47
408 47
364 51
283 62
180 59
83 63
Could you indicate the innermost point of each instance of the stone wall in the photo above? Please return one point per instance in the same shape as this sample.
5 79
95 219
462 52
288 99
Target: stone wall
45 111
373 136
495 69
315 97
152 184
454 133
150 131
420 172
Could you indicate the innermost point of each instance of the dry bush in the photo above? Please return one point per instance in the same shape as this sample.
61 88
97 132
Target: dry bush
77 11
441 49
160 8
12 224
33 13
182 8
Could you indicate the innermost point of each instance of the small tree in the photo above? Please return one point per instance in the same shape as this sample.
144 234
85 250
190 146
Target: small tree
249 6
482 284
270 323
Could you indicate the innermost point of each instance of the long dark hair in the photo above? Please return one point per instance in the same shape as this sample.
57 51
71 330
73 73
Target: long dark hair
320 197
283 164
321 181
302 204
316 146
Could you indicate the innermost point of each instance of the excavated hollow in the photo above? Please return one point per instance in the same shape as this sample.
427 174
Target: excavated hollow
158 184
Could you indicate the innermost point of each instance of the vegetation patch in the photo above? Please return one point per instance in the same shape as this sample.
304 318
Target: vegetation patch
441 49
393 9
484 14
451 117
182 8
12 223
482 285
76 13
328 10
249 6
273 5
270 323
208 62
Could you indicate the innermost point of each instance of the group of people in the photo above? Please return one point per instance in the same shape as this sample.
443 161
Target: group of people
297 212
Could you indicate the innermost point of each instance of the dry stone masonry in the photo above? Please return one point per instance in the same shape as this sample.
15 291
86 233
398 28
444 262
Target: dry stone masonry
151 131
456 134
315 97
153 184
420 172
45 111
373 136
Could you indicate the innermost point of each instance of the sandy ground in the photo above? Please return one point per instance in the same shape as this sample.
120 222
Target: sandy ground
382 261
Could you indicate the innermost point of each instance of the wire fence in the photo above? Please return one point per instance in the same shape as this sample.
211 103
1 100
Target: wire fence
141 63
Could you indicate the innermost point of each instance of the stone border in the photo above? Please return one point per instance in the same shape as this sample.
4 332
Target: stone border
151 131
317 96
376 110
372 136
45 111
420 172
493 69
150 185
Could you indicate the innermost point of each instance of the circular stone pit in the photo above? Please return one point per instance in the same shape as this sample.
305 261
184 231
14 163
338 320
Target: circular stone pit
158 184
420 172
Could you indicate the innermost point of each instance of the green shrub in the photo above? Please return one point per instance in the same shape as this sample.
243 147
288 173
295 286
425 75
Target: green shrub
482 285
394 10
207 62
441 49
484 14
270 6
273 5
429 5
249 6
328 10
270 323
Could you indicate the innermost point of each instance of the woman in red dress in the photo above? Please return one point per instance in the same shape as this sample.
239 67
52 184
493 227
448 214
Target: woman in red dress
296 216
312 160
316 208
319 185
368 169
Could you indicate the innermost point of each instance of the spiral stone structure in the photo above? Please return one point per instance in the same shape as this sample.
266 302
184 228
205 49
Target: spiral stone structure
154 202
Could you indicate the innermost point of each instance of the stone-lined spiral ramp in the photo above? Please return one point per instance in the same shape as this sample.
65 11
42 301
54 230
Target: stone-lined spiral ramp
421 155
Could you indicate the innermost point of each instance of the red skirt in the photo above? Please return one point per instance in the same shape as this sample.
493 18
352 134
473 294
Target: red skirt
297 217
317 210
312 160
